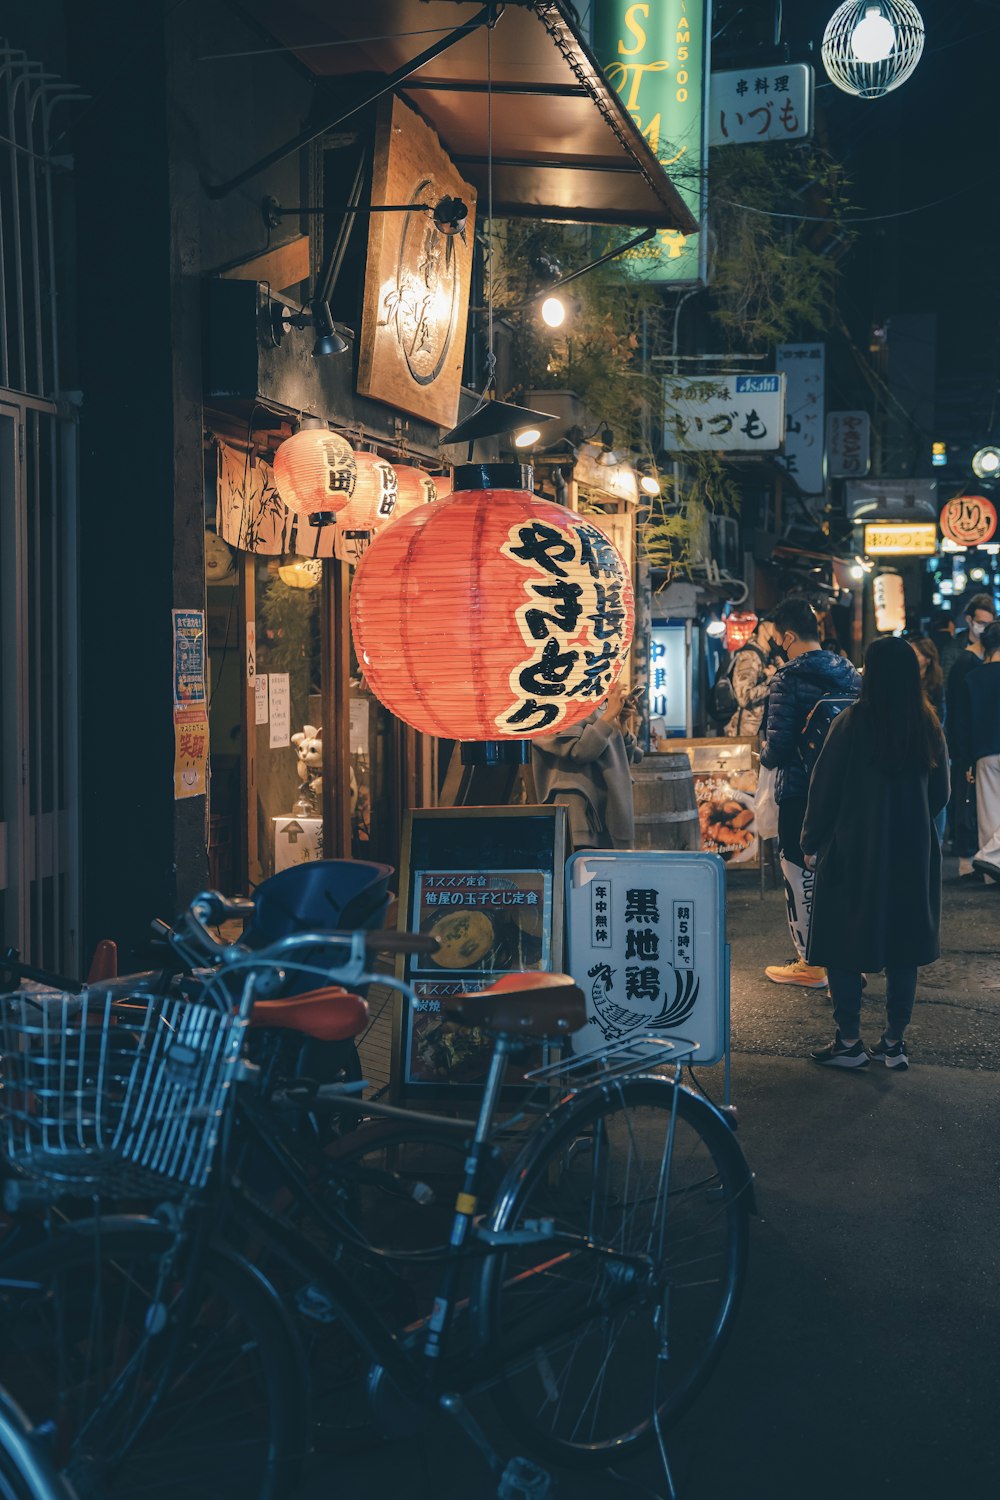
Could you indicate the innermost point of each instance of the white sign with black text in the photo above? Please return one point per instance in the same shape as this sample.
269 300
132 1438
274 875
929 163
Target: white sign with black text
723 413
647 945
848 444
761 104
804 368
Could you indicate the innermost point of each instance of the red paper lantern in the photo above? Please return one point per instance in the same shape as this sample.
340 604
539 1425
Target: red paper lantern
373 499
969 520
492 615
415 487
443 485
315 472
740 626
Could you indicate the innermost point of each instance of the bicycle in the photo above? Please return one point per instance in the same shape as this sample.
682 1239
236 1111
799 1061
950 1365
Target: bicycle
25 1470
609 1264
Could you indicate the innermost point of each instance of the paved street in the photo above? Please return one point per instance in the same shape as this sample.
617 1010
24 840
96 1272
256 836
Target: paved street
864 1361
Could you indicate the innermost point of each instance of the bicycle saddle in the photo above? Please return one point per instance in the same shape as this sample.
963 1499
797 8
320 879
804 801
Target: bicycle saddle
331 1014
531 1004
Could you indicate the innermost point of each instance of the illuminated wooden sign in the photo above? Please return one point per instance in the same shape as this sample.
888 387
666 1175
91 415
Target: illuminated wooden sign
417 278
895 539
969 520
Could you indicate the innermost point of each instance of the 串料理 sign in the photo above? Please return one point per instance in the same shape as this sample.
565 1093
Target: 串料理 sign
761 104
723 413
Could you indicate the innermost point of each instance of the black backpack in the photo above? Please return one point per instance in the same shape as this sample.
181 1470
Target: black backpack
723 702
817 725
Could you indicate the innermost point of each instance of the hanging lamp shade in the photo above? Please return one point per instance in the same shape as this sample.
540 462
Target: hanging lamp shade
415 487
870 47
315 473
301 572
492 615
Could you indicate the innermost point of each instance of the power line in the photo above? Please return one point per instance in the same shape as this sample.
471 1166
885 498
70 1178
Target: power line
834 222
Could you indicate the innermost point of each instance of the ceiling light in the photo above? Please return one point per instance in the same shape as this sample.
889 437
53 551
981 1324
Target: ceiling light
526 437
554 312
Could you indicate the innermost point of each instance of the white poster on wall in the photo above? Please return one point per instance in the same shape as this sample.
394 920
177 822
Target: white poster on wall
260 698
281 710
804 368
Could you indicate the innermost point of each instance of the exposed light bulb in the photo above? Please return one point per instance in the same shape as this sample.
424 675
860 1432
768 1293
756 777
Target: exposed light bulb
554 312
526 437
977 575
715 627
650 484
986 462
874 37
857 571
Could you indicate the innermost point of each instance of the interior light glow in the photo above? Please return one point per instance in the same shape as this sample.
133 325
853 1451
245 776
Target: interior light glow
526 437
650 484
554 312
874 36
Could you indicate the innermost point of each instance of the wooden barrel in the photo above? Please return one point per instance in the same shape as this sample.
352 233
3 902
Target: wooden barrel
666 813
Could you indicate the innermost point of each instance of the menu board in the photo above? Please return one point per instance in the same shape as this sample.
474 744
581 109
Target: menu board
487 882
725 774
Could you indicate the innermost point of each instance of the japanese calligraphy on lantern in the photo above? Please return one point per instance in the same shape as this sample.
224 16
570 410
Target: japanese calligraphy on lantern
761 104
574 622
656 56
647 944
803 366
969 520
724 413
848 444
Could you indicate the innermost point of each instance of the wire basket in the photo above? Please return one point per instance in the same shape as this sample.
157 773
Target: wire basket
622 1059
119 1095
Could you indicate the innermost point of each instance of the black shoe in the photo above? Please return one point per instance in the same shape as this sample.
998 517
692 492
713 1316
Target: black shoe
893 1054
836 1055
972 877
984 867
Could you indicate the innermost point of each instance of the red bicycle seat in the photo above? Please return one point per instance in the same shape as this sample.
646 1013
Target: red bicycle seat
530 1004
332 1014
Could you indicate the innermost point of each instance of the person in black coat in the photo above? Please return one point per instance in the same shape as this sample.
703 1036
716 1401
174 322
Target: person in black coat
880 780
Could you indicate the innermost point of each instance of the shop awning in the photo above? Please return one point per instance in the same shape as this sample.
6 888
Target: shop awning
564 146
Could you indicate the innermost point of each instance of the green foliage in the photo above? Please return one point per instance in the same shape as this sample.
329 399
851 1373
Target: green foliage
291 619
672 533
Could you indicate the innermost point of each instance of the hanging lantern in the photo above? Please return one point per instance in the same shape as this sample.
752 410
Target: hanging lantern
415 488
301 572
492 615
870 47
442 485
372 505
314 473
969 520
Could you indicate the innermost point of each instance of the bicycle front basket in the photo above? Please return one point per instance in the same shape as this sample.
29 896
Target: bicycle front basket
121 1095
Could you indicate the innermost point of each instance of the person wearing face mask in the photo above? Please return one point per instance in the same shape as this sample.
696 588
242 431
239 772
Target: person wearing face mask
750 675
979 612
812 674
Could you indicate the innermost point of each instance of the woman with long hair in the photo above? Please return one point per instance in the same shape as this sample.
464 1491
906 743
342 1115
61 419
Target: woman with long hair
931 675
880 780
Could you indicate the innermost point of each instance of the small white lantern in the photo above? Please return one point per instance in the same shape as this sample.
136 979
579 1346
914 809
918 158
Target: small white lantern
870 47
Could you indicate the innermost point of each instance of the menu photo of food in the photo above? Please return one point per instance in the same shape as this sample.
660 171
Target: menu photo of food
726 814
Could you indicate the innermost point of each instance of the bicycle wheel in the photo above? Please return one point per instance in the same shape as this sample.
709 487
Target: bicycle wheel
153 1382
25 1472
577 1331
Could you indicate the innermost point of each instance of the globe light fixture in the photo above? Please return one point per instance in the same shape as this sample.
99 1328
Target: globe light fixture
870 47
553 312
986 463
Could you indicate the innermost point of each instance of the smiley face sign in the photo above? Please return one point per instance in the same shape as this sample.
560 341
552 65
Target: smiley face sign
969 520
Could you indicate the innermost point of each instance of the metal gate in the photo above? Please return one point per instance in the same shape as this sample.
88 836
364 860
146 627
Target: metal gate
39 793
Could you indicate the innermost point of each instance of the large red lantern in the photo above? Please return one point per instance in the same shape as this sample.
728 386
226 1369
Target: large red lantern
969 520
315 473
415 487
492 615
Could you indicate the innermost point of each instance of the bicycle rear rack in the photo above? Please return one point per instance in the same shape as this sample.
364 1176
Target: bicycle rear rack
622 1059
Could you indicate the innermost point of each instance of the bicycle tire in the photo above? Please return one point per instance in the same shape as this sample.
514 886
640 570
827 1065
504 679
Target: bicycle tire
25 1471
575 1331
156 1382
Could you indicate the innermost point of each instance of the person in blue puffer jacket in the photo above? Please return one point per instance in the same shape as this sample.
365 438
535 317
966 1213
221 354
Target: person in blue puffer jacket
811 674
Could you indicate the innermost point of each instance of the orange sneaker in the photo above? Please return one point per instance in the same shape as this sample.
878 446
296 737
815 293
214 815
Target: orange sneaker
809 976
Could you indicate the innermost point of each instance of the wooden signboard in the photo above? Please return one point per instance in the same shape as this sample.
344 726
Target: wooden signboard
488 883
417 280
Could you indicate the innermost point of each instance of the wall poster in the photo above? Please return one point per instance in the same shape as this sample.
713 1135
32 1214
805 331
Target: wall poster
487 882
725 772
416 300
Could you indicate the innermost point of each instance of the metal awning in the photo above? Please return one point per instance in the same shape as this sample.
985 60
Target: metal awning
564 146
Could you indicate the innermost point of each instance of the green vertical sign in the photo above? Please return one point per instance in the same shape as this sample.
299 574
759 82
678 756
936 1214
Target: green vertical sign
655 54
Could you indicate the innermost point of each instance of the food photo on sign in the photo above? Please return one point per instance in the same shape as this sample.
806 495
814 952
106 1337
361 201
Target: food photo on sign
724 772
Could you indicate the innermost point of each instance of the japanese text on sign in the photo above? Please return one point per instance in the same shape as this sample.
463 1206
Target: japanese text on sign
726 413
573 624
803 366
600 908
189 655
762 104
848 444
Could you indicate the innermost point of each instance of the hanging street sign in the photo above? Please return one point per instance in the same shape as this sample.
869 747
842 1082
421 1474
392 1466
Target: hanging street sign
891 499
804 368
848 444
723 413
761 104
896 539
656 55
969 520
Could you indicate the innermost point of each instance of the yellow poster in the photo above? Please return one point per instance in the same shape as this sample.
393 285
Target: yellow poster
190 750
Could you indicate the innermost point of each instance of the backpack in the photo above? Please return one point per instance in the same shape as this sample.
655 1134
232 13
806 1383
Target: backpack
723 702
817 726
